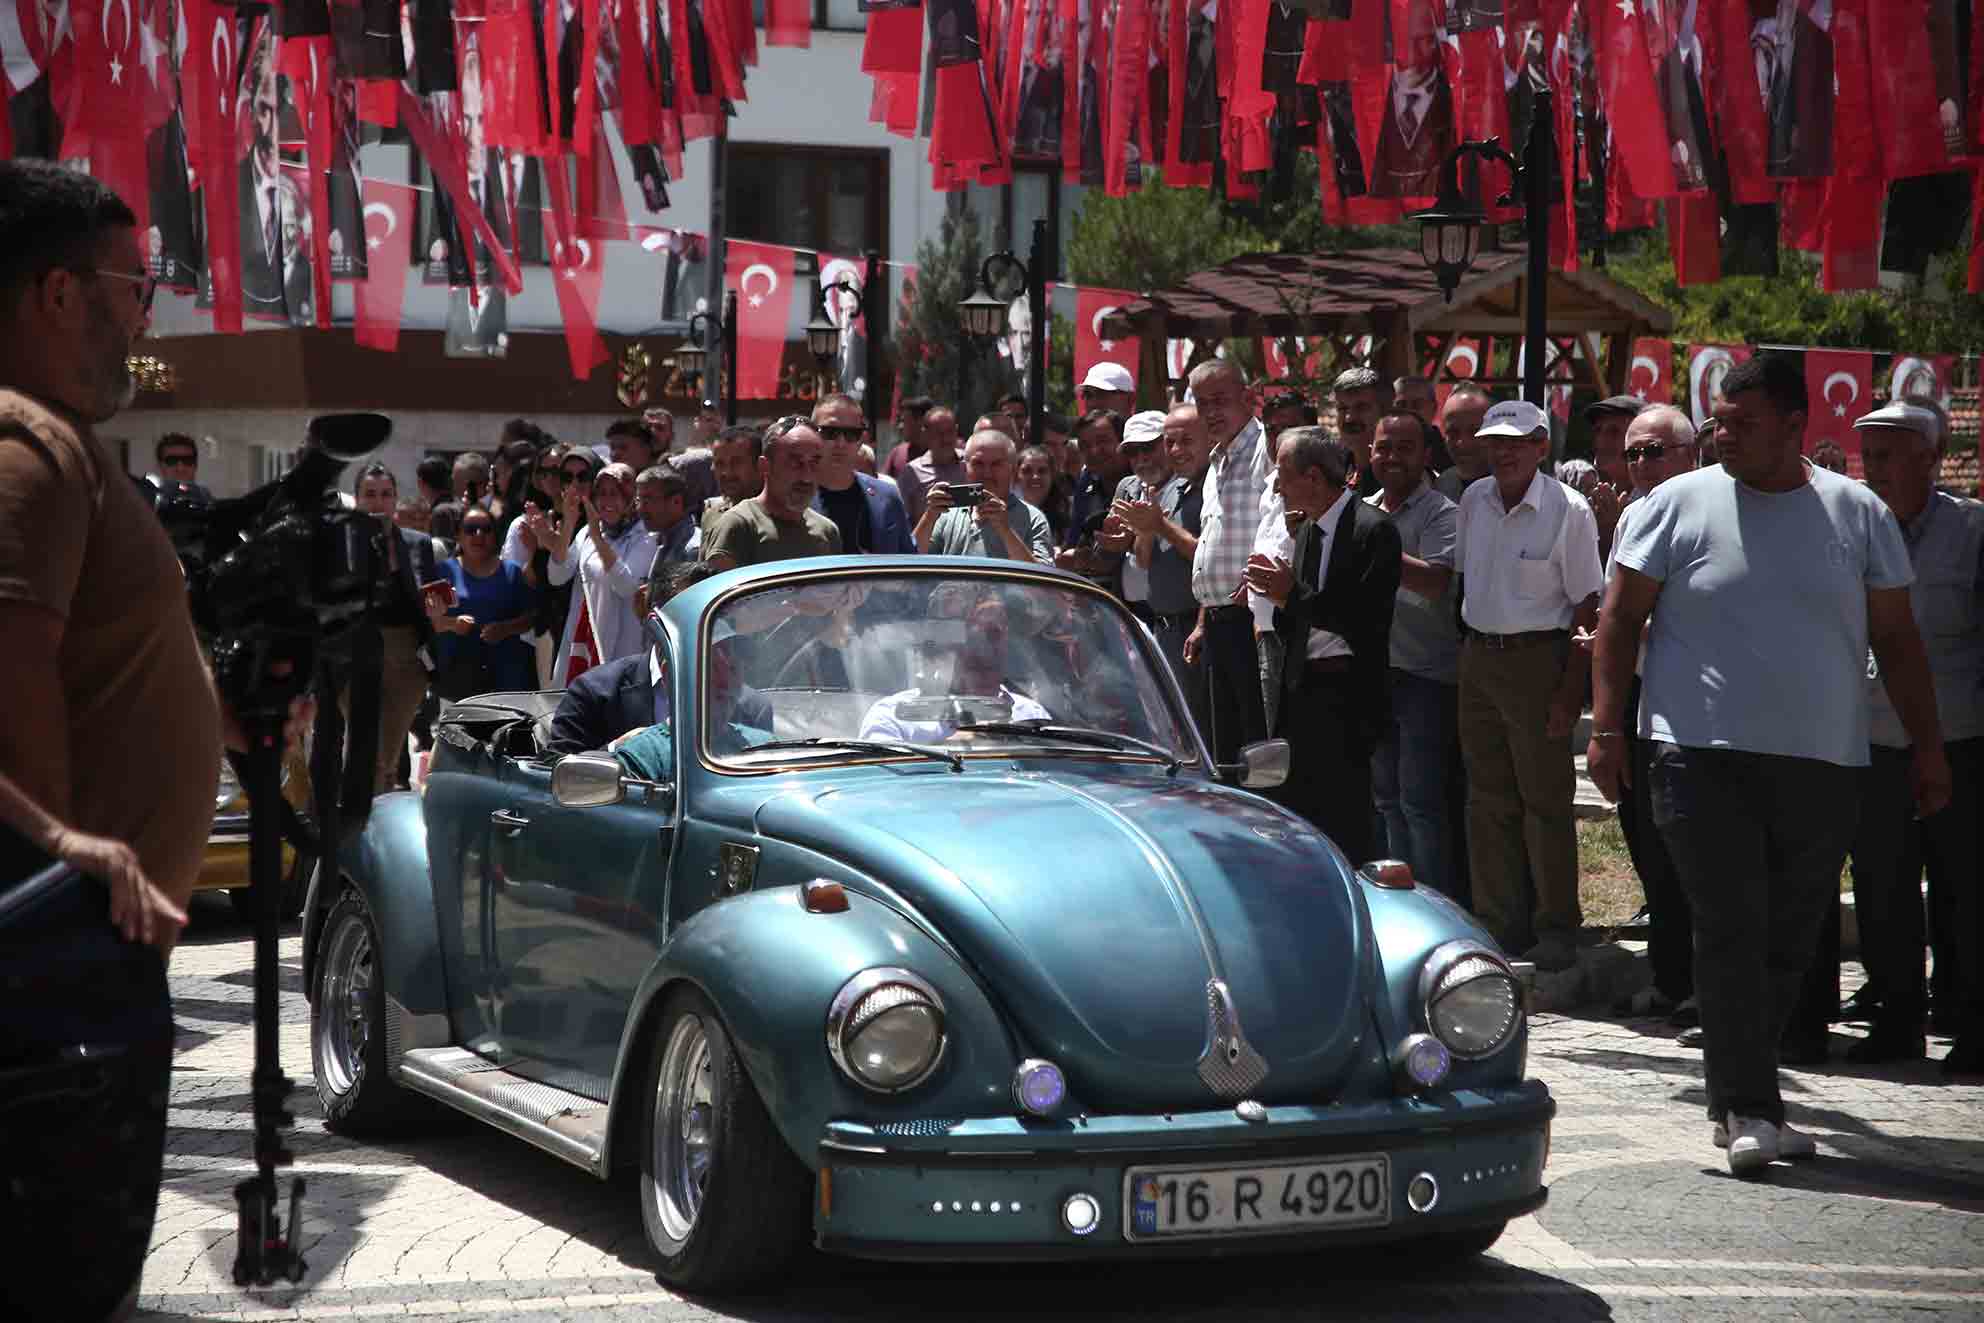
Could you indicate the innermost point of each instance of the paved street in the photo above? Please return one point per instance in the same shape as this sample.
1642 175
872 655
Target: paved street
1643 1221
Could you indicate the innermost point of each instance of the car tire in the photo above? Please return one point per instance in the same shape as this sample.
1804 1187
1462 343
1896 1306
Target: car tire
294 887
348 1029
724 1201
1453 1246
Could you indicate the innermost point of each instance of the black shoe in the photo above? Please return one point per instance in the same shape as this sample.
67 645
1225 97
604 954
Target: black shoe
1965 1058
1804 1050
1884 1045
1861 1007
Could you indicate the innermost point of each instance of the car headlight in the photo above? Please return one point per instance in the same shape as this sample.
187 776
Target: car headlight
1470 1000
885 1029
229 788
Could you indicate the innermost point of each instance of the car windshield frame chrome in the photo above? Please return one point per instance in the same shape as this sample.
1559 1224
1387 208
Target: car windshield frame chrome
1198 755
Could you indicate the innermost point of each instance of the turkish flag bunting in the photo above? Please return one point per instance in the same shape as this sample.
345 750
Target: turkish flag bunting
306 62
1729 82
1091 306
1624 46
391 211
207 78
1128 88
1840 385
1852 197
577 270
1694 236
1707 366
1652 375
761 273
513 97
444 156
1909 124
788 22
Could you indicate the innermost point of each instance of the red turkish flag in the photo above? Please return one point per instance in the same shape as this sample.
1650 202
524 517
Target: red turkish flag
1091 306
789 22
1852 206
513 99
306 62
1729 82
1915 132
1840 385
391 212
1694 237
210 92
577 271
1707 366
1922 374
761 273
1652 375
1624 45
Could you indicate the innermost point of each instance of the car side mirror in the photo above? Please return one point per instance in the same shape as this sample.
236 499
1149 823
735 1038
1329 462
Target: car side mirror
1263 765
587 780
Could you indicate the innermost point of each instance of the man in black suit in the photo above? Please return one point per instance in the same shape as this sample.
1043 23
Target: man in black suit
631 692
406 635
1333 610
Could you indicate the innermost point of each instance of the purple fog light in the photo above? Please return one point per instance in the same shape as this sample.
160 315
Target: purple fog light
1039 1087
1422 1062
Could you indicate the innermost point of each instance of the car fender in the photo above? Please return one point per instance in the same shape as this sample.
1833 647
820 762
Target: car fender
1410 924
771 968
387 864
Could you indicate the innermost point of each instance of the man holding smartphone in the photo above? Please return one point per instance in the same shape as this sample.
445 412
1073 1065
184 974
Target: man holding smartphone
985 516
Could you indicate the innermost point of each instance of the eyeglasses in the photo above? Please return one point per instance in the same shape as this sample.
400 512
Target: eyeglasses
834 433
478 530
177 458
1651 450
147 284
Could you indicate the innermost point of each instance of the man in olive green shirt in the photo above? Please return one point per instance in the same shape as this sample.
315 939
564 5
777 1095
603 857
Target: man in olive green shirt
778 523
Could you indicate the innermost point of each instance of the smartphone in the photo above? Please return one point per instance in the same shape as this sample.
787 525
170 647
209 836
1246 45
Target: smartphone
966 493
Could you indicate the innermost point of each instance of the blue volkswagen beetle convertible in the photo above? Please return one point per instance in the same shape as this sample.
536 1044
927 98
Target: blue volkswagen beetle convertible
910 918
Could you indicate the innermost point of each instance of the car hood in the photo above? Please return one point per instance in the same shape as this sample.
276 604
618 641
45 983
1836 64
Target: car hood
1098 911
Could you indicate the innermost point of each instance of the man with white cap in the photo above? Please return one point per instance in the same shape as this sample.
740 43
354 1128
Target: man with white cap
1901 446
1108 386
1527 550
1150 470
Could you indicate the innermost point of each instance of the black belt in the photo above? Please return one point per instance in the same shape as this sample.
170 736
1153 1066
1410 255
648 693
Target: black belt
1228 612
1517 640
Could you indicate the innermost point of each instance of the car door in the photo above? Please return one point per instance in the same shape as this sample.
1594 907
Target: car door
575 903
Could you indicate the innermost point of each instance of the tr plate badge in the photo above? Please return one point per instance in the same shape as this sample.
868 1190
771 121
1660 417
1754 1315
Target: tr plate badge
737 866
1143 1207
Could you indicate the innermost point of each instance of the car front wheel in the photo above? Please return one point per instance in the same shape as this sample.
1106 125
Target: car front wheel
348 1029
724 1200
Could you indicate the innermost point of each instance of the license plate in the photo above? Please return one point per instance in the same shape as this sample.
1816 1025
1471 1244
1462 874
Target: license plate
1193 1202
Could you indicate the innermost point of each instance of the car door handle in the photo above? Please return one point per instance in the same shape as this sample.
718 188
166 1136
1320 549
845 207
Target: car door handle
505 818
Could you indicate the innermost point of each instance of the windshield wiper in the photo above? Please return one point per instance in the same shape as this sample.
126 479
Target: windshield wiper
955 763
1107 739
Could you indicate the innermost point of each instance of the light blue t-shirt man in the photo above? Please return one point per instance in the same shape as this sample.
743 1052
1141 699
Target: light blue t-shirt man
1759 639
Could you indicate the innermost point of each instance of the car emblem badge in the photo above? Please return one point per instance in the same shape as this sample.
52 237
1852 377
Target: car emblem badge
737 866
1229 1066
1250 1111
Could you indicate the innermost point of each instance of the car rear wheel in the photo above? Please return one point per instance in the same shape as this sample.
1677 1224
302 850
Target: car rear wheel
723 1199
348 1029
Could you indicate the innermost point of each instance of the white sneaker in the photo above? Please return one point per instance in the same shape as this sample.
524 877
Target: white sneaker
1791 1144
1752 1144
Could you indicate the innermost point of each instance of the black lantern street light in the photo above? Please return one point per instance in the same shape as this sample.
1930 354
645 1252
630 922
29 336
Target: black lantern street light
692 355
823 334
1450 234
985 315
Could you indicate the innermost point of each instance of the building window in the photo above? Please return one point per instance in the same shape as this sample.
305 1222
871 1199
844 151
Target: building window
826 199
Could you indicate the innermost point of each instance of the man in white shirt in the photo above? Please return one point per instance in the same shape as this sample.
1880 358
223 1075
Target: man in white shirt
979 671
1528 558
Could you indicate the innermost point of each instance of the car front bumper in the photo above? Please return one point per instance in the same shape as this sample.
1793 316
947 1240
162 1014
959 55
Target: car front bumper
994 1187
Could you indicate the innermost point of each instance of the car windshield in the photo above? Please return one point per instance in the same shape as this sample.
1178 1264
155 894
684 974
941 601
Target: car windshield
835 669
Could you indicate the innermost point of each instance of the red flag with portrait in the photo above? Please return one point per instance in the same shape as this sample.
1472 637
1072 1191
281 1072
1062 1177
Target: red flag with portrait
1707 366
1091 306
1652 375
761 273
1839 383
1932 375
391 213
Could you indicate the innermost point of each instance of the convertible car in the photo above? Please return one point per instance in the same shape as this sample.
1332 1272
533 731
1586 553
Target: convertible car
912 919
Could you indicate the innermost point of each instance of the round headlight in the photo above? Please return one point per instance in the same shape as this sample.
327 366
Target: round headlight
1473 1005
885 1029
229 787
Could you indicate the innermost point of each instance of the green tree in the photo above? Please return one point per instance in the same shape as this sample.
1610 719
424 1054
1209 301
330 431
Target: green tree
1155 237
934 355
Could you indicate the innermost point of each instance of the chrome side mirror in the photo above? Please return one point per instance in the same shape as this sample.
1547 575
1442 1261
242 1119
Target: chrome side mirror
1263 765
587 780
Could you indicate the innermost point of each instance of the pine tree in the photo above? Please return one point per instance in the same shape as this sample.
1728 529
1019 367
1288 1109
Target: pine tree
934 355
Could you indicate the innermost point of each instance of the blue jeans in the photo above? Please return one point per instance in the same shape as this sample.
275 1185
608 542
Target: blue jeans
1409 777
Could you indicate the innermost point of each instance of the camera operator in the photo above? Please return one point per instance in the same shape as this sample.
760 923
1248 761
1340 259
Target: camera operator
113 728
404 628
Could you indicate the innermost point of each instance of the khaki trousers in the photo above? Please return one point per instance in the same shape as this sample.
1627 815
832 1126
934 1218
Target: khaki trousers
402 688
1520 784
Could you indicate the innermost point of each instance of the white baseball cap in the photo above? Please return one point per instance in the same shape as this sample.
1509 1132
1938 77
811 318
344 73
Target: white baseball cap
1908 417
1512 418
1146 428
1109 376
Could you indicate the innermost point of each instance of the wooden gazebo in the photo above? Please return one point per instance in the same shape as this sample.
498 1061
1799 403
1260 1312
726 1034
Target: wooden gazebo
1388 295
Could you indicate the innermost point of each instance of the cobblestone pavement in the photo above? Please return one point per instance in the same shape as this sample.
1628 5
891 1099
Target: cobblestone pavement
1643 1221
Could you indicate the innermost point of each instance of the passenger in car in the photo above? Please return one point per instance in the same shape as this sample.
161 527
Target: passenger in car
978 670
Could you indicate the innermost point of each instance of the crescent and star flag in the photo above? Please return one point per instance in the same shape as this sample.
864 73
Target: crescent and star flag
1652 375
390 213
577 272
1707 366
1091 306
1840 385
761 273
1625 40
207 76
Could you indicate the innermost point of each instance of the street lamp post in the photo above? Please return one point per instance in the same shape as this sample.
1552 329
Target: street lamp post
985 315
1449 234
693 353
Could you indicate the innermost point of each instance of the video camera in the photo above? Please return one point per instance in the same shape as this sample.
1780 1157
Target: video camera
282 582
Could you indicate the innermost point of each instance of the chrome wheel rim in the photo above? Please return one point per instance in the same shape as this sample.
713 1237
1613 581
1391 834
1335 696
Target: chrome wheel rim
685 1100
344 1008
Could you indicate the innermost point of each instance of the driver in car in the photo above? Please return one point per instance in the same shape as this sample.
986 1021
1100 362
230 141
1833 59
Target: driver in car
978 671
649 752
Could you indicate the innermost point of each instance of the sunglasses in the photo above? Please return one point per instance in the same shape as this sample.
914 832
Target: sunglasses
147 284
478 530
577 475
833 433
175 460
1651 450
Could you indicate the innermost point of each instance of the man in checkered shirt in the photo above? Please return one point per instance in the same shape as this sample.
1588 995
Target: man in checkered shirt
1238 493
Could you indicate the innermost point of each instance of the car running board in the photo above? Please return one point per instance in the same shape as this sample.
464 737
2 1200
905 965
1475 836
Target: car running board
564 1124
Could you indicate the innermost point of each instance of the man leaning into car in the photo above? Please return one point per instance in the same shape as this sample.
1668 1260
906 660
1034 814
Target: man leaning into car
113 727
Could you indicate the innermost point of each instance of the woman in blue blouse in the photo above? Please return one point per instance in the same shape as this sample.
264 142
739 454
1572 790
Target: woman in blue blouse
479 633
